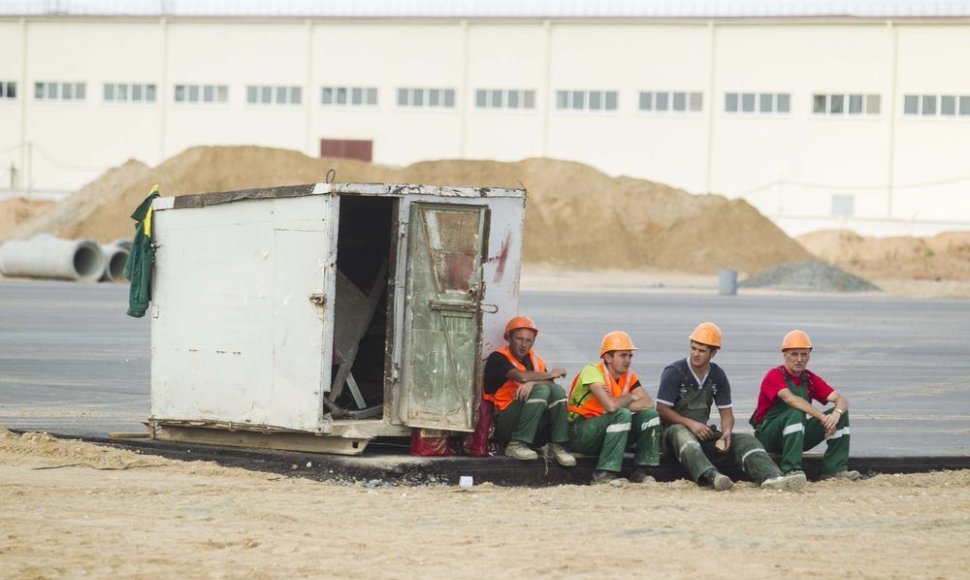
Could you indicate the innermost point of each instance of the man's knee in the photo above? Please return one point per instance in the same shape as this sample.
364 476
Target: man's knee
540 391
745 441
677 435
621 416
679 431
555 392
793 415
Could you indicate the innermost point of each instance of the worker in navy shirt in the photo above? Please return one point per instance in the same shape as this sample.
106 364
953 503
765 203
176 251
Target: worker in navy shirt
688 389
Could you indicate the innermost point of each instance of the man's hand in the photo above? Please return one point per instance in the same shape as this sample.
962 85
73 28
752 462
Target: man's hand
829 422
724 443
558 373
523 391
700 430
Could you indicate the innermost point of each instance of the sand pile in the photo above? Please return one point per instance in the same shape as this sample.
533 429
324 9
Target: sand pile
810 276
945 256
576 217
17 210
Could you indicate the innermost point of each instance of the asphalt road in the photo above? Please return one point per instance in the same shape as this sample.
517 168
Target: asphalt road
72 362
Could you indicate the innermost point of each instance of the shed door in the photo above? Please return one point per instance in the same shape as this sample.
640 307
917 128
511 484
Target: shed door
443 318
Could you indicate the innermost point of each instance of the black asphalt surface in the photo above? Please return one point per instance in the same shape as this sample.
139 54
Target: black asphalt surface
73 363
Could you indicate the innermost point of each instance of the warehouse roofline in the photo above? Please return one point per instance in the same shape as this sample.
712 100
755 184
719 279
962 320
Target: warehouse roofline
494 9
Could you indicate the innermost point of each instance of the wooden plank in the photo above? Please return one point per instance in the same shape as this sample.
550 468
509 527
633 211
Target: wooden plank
284 441
128 435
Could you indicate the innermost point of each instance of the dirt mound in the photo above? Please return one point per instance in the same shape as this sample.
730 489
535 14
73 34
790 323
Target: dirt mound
17 210
99 196
945 256
577 216
810 276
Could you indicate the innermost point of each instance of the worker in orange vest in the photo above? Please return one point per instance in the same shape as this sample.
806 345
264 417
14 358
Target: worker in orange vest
606 402
689 388
527 400
787 422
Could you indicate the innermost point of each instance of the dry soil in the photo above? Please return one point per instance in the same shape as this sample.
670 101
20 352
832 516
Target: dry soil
72 509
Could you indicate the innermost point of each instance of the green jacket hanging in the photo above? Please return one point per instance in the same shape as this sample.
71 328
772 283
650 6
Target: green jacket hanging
138 268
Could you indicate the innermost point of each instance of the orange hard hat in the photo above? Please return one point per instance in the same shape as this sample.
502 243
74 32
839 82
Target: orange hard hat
796 339
616 340
707 333
521 322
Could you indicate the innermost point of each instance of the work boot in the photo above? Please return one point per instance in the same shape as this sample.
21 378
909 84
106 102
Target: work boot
847 475
519 450
791 481
717 480
561 456
640 475
601 477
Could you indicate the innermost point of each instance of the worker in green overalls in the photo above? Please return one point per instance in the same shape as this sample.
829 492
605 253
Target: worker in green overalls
786 422
688 389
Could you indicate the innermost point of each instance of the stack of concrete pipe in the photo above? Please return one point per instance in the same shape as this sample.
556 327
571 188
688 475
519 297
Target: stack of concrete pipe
45 256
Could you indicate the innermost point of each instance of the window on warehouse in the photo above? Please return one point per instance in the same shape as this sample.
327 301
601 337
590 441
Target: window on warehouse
273 95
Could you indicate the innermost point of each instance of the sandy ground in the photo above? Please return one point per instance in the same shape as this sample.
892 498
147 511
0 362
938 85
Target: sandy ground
72 509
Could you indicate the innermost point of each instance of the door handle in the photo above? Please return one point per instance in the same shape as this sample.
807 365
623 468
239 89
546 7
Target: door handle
441 305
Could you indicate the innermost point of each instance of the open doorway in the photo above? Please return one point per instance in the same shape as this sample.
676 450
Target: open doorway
364 263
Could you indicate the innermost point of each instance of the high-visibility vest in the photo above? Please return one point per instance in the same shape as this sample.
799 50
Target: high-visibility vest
505 394
589 406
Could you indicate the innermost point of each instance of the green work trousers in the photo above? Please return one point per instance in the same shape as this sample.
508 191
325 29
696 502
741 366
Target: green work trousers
544 409
791 433
697 457
609 436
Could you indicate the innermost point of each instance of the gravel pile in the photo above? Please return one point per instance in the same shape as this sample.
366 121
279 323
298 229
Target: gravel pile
811 276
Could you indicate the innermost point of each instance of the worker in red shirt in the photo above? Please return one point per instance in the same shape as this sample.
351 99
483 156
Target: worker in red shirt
786 422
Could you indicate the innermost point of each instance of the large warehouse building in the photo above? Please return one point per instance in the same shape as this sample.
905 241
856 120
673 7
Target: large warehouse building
820 113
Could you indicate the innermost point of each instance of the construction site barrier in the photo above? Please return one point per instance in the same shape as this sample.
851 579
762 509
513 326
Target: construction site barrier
115 257
45 256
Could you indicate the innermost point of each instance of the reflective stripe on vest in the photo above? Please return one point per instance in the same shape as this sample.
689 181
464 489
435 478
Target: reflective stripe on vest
589 407
505 394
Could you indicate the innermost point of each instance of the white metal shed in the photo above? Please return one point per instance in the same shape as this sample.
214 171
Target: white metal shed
317 317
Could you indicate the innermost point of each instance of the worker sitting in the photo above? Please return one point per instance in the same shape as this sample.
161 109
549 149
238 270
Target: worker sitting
527 401
688 389
606 401
785 420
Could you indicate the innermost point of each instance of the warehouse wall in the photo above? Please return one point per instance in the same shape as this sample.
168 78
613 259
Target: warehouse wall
644 98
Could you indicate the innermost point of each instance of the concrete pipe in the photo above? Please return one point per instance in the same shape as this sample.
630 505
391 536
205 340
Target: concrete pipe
125 243
114 263
48 257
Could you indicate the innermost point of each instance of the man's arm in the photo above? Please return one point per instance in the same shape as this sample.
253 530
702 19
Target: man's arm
534 376
832 419
727 424
607 401
801 404
668 415
641 399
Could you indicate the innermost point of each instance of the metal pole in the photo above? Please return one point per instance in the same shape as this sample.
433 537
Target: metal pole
23 97
891 165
